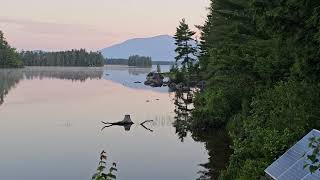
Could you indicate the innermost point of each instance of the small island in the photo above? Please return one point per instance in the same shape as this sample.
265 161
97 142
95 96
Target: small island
136 60
140 61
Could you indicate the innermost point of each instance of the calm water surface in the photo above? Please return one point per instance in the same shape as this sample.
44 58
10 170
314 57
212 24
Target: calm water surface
50 126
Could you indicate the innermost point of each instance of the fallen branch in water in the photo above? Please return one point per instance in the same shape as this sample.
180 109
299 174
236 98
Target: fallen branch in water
118 123
142 124
146 122
126 124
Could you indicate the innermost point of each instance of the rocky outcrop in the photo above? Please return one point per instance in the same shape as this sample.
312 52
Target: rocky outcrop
154 79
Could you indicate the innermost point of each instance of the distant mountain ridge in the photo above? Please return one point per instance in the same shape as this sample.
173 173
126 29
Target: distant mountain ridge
159 48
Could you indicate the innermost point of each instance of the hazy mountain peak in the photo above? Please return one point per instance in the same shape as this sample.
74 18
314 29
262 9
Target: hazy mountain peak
160 48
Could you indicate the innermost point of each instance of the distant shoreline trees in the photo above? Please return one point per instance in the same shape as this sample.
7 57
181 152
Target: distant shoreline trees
63 58
134 60
141 61
9 58
120 61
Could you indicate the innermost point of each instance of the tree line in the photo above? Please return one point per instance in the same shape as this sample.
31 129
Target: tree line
260 61
134 60
10 58
63 58
119 61
142 61
8 55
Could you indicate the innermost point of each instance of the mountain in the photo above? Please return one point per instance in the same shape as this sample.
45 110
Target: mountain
159 48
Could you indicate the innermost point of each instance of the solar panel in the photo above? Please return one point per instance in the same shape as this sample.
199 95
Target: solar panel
290 165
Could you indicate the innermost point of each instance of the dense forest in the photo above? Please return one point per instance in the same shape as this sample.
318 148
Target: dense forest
9 58
260 61
113 61
141 61
64 58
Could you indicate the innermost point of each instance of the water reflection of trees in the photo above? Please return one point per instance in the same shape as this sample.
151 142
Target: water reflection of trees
9 78
74 74
216 142
183 107
135 71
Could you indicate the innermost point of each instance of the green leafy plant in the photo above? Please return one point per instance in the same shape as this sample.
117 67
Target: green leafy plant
313 158
100 173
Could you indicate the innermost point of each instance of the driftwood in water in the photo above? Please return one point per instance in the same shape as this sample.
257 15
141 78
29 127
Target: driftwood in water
126 123
127 120
142 124
126 126
120 123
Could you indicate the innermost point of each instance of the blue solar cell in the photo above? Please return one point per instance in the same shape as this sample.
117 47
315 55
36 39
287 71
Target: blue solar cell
296 171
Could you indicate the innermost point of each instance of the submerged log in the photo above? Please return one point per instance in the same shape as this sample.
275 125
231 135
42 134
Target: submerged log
126 123
127 120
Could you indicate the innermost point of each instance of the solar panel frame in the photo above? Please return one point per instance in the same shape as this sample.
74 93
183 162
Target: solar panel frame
289 166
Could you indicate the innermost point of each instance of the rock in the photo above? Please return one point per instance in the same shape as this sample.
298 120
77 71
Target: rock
147 83
179 86
154 79
172 86
165 83
185 88
127 119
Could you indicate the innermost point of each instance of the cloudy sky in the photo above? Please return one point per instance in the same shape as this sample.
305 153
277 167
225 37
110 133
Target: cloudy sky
92 24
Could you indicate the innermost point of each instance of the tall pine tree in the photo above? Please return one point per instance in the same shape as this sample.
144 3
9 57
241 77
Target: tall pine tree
184 39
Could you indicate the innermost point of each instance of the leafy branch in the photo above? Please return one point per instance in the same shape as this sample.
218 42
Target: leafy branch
100 172
313 158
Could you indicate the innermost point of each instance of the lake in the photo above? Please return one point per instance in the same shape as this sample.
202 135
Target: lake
50 126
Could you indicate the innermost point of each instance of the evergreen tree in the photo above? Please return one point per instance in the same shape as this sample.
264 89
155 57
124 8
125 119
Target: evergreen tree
8 56
185 50
260 60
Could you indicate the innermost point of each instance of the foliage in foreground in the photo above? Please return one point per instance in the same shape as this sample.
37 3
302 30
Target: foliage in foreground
314 157
100 174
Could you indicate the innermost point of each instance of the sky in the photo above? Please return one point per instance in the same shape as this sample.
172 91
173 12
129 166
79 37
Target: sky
92 24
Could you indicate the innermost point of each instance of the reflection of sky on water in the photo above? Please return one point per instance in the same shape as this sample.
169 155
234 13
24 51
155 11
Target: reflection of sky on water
128 75
50 127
